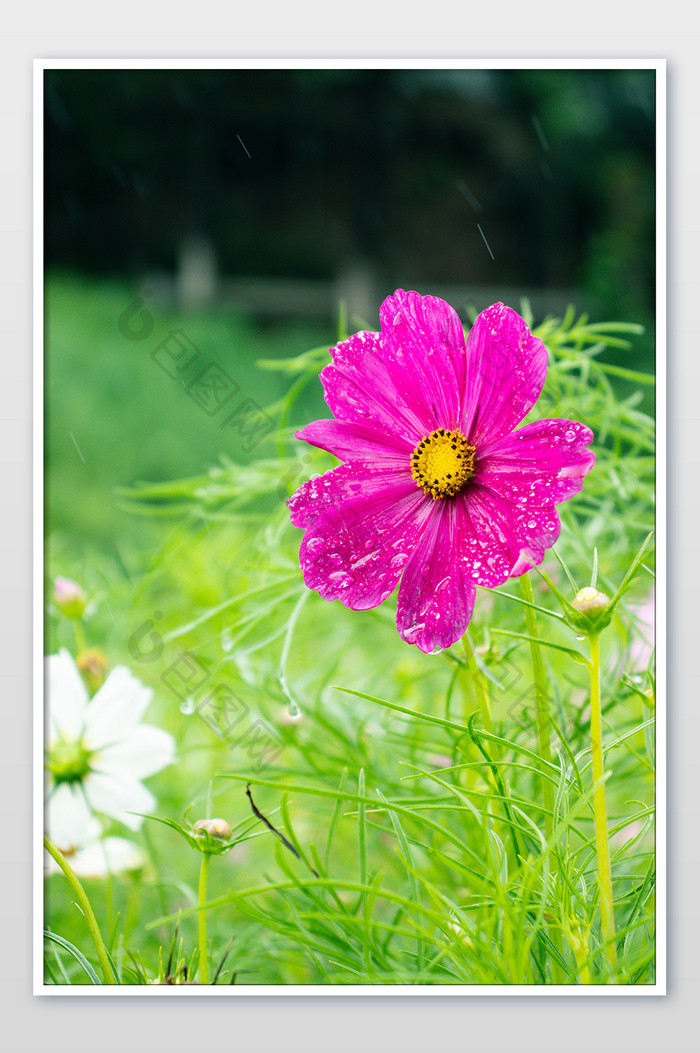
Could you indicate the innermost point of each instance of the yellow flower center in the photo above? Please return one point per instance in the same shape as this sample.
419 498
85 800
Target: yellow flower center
442 463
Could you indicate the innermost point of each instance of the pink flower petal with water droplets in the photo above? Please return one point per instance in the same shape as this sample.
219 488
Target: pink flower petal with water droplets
358 388
359 443
506 368
436 597
423 344
326 492
495 532
537 530
488 545
356 547
541 464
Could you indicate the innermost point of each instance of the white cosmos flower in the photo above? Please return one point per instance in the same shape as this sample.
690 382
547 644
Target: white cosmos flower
98 751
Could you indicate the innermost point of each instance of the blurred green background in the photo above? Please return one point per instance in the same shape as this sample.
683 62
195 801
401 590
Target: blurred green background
244 205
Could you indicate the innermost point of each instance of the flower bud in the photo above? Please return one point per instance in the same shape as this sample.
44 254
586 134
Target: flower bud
593 609
69 597
214 827
92 665
589 599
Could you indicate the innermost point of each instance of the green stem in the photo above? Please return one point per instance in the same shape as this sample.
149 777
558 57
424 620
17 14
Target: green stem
543 737
479 686
607 917
87 910
485 709
540 704
80 637
203 958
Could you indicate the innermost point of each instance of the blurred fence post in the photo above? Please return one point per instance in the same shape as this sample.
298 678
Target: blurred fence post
196 282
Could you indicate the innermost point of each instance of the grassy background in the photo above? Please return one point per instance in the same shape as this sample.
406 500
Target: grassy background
130 420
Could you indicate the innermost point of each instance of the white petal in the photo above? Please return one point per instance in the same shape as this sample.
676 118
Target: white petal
68 816
141 752
117 706
66 697
111 856
117 796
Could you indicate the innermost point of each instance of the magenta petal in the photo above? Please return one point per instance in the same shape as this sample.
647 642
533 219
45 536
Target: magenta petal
362 529
425 356
323 492
506 368
358 388
359 443
436 597
541 464
537 529
488 538
495 532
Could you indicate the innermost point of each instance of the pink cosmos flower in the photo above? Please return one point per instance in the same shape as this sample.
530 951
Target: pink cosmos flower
437 489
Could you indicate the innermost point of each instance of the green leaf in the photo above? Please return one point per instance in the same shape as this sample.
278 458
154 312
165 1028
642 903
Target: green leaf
576 655
53 937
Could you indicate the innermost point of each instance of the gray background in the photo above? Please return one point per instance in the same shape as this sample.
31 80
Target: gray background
264 1025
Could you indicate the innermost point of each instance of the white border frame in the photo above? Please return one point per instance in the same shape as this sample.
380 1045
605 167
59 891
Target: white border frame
39 988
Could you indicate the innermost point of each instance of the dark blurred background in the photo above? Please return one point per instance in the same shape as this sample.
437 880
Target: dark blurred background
250 203
358 180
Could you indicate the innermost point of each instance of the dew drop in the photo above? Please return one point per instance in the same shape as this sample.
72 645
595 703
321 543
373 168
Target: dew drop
187 707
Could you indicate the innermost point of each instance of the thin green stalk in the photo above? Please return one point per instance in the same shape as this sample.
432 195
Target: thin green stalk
80 638
607 917
107 971
540 703
543 736
203 958
479 686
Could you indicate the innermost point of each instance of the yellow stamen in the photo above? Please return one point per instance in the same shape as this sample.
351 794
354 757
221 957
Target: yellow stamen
442 463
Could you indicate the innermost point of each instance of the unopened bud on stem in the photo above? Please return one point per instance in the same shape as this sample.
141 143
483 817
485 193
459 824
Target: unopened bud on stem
69 597
593 608
214 827
93 666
